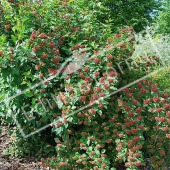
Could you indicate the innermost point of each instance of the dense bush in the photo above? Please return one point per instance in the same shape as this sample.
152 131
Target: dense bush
89 128
152 43
162 79
23 61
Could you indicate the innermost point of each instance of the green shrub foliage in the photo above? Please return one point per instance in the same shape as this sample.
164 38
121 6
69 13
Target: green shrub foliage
62 78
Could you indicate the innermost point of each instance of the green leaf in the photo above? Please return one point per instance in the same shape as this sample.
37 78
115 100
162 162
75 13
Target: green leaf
97 152
24 82
9 120
113 169
5 73
59 130
124 158
15 71
14 38
90 149
13 29
70 1
88 142
28 93
100 112
103 150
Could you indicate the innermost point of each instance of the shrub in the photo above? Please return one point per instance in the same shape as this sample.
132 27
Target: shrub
86 127
151 43
31 56
162 79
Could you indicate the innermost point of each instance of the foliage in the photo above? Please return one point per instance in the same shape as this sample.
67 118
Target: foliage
152 44
162 21
123 13
78 124
162 79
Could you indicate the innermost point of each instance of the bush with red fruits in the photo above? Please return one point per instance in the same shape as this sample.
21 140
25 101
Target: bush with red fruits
75 64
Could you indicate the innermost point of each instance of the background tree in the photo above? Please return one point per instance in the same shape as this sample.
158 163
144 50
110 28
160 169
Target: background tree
137 13
162 21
